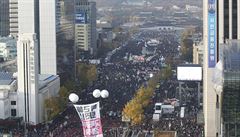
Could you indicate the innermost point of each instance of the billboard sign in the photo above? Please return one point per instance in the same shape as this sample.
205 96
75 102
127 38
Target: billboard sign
189 73
212 34
91 121
81 18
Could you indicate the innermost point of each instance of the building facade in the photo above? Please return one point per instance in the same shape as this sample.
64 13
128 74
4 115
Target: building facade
31 20
13 18
47 33
45 26
28 77
8 48
229 108
221 20
9 95
198 53
85 27
4 17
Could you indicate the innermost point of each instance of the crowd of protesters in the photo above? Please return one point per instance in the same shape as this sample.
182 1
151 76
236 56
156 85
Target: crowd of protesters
122 78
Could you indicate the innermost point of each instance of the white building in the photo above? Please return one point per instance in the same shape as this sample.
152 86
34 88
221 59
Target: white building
31 93
9 104
45 26
8 48
8 95
47 33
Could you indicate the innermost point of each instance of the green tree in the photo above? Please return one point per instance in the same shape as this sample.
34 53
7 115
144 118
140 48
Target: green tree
69 84
63 93
92 73
53 106
187 45
187 49
86 74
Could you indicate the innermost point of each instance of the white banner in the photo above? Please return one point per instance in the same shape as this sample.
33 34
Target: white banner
91 120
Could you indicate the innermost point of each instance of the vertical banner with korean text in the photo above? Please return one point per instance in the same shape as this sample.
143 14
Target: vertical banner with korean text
91 121
212 34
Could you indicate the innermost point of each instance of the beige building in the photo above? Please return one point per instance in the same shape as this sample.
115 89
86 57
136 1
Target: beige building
221 19
198 53
82 38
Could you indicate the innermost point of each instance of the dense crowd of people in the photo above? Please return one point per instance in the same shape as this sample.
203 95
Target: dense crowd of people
122 78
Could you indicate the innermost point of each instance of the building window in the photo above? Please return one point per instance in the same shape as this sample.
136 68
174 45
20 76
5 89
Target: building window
13 103
234 19
13 112
226 19
217 101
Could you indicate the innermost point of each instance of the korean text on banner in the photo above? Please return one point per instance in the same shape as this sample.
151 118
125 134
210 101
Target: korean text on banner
90 117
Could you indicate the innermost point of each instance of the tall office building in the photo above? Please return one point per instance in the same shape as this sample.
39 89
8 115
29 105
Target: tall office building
221 22
4 17
45 29
27 54
13 18
47 36
229 89
85 27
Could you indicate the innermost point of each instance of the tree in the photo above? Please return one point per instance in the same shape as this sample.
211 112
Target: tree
187 45
63 93
86 74
53 106
92 73
166 72
69 85
134 109
187 49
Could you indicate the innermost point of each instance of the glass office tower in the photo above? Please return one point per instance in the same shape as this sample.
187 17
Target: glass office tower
230 55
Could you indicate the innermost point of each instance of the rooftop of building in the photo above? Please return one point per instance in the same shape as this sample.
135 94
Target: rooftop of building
6 39
6 78
45 79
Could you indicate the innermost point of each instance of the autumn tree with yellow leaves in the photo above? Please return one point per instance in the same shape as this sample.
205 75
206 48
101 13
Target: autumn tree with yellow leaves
134 109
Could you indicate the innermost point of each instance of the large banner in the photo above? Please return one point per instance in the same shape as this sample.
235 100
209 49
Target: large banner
212 34
91 121
81 18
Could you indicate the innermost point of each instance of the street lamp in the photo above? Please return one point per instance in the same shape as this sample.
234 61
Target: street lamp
90 113
73 98
96 94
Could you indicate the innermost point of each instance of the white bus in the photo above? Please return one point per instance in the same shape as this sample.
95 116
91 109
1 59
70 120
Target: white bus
160 108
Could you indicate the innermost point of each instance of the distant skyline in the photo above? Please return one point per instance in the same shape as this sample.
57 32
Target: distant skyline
158 2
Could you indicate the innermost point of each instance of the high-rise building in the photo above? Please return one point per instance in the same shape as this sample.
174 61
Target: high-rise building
85 27
47 36
4 17
13 17
46 24
28 77
228 89
27 54
33 88
221 22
